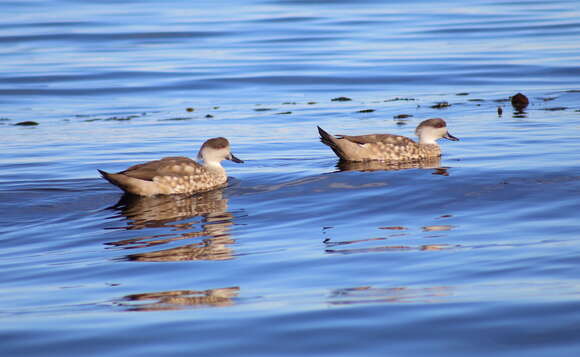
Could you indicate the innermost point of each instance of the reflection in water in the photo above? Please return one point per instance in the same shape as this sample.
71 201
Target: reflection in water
432 163
209 249
185 218
438 228
519 113
158 211
337 247
387 248
443 171
370 295
180 299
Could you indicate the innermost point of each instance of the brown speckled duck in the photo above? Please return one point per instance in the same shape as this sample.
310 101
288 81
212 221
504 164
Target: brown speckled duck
177 174
388 147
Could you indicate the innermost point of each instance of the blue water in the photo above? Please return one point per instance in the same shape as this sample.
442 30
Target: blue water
474 255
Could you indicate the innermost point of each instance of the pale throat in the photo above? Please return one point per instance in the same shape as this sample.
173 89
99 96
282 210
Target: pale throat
212 165
425 140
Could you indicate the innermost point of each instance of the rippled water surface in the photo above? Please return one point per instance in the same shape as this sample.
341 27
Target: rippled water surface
473 254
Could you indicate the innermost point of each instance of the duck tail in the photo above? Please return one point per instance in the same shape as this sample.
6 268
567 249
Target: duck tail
131 185
123 182
331 142
109 177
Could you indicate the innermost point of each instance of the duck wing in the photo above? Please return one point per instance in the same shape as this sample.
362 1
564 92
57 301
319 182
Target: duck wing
384 139
168 166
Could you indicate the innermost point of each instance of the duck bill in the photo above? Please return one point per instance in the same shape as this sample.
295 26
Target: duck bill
450 137
235 159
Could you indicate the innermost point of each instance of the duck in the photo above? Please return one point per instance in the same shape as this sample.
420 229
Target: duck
177 174
389 147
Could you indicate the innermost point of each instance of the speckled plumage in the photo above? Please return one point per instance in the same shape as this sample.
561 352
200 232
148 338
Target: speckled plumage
174 175
388 147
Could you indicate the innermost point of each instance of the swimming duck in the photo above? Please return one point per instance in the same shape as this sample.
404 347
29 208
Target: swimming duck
388 147
177 174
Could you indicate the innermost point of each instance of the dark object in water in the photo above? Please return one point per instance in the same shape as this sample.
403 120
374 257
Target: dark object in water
397 99
441 105
341 99
499 111
27 123
520 101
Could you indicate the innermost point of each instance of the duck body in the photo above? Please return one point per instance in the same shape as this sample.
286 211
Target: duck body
176 175
384 147
167 176
389 147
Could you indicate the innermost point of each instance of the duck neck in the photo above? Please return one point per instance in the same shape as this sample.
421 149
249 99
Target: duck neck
427 141
215 166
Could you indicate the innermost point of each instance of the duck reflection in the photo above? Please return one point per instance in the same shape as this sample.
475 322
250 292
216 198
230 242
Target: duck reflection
203 217
180 299
371 295
160 211
387 248
364 166
377 244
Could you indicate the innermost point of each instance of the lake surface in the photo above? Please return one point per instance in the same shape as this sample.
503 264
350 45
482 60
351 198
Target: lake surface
476 254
